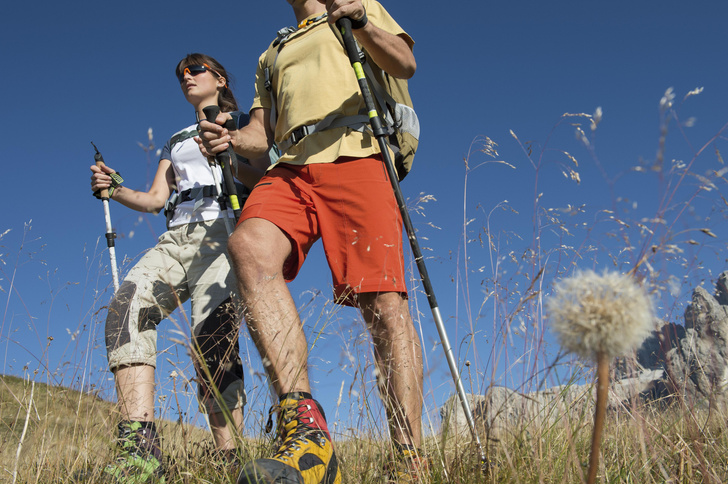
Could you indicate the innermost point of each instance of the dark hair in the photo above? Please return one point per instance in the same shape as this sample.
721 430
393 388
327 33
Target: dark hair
225 98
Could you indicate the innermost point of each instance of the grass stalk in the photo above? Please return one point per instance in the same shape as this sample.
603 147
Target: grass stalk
25 430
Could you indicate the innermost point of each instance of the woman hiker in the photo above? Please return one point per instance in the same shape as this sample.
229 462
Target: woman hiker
189 262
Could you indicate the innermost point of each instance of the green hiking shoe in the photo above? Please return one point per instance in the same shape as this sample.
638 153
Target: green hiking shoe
139 457
135 468
305 453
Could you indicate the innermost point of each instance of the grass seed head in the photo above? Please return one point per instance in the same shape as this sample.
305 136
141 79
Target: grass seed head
593 313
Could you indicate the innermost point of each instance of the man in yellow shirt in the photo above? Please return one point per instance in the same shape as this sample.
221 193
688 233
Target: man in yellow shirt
329 183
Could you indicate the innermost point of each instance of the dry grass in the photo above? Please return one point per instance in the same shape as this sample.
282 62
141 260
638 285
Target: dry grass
641 445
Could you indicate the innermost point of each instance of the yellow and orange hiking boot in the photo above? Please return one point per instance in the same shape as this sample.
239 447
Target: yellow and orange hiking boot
409 466
305 453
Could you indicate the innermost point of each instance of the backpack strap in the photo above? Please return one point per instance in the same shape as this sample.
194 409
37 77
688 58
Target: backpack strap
355 122
384 99
276 46
358 122
181 136
282 36
197 194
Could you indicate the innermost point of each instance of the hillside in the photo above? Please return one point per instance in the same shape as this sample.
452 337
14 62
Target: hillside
68 434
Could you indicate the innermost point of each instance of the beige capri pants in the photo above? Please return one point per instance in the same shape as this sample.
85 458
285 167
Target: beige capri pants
189 262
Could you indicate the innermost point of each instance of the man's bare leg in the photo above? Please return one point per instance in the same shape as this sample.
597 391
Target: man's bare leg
258 249
398 356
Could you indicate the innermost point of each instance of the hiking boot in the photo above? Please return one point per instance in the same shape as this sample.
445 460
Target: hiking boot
227 463
409 465
305 453
139 457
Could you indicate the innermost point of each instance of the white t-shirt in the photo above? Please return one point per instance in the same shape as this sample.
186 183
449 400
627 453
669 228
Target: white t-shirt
192 170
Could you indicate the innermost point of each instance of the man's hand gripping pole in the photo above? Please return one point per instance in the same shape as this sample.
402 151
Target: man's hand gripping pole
225 161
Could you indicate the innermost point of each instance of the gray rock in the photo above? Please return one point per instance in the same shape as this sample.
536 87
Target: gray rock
687 362
697 369
721 289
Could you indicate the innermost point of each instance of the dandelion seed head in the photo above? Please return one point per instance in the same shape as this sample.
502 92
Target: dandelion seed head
592 313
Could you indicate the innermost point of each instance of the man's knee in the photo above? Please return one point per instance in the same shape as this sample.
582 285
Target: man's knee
384 306
258 248
238 245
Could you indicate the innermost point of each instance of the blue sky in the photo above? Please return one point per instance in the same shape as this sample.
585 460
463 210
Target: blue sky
103 72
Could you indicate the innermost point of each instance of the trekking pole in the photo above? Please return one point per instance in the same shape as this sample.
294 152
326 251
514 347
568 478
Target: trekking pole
352 50
225 161
110 234
223 205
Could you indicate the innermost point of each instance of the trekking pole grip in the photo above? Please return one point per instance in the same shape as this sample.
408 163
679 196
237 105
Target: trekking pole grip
225 161
211 112
100 163
344 25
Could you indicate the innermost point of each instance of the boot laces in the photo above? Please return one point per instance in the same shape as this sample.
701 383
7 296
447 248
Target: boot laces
293 428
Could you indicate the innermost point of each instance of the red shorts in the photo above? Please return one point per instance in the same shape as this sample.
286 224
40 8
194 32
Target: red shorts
350 205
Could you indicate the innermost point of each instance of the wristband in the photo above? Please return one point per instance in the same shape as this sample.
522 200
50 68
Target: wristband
360 23
116 181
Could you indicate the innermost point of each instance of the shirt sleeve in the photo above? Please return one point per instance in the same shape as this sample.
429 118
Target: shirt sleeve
381 18
166 151
262 96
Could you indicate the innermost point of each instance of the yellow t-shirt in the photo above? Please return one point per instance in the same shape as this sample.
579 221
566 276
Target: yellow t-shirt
313 79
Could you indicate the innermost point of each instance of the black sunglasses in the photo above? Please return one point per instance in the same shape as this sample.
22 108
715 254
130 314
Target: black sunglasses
194 70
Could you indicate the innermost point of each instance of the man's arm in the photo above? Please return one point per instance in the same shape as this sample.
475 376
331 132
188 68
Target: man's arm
391 52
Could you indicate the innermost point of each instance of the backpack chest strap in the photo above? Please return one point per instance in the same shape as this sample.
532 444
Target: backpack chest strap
198 194
355 122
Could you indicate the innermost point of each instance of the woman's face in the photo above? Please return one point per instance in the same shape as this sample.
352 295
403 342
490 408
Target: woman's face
200 82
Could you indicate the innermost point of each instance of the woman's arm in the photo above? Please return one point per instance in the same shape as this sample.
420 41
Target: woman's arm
151 201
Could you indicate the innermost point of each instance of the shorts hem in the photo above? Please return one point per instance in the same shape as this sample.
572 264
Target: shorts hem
347 295
115 365
233 398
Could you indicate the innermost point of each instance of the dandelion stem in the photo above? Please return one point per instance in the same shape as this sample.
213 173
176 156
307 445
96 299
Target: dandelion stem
599 413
